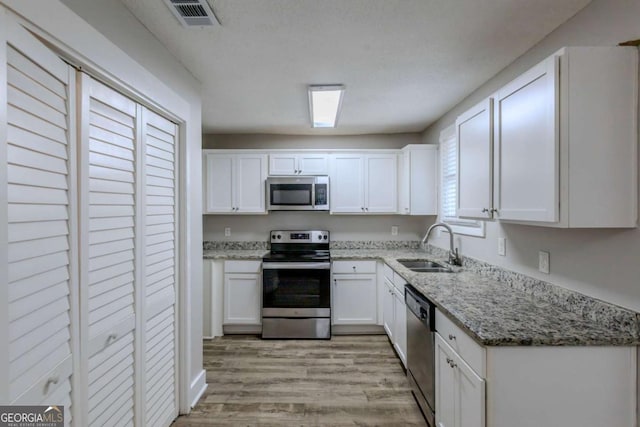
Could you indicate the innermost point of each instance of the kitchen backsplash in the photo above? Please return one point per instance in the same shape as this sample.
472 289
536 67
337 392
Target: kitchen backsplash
234 246
346 244
575 302
374 244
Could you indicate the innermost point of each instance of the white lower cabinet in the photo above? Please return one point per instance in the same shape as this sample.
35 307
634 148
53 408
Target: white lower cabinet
242 293
388 308
354 296
531 386
394 312
460 392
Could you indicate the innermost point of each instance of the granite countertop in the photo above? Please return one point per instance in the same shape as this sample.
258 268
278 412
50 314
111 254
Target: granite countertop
493 313
234 253
498 312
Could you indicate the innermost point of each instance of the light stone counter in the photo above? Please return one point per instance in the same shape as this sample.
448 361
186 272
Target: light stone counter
494 306
509 311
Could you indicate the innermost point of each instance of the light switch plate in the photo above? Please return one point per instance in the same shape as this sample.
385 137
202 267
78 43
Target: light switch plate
543 262
502 246
227 231
394 230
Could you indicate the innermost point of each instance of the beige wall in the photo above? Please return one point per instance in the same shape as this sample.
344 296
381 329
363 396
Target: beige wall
600 263
342 227
262 141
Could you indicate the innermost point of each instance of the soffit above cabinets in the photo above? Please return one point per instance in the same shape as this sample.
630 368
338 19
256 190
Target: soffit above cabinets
405 62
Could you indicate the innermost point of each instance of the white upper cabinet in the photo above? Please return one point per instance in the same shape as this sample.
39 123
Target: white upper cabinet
364 183
566 136
474 132
234 183
418 180
298 164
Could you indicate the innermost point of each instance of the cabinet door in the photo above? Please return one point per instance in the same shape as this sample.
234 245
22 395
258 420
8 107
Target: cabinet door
404 173
347 186
460 392
313 164
527 145
38 295
475 161
242 299
283 164
388 307
445 385
251 173
381 188
400 334
470 396
355 299
219 170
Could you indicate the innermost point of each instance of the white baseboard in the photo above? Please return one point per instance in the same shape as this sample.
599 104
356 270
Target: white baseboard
242 329
198 387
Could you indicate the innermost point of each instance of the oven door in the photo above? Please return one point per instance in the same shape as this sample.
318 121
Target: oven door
296 289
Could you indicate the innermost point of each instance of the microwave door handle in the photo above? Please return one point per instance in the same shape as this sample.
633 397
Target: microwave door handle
313 196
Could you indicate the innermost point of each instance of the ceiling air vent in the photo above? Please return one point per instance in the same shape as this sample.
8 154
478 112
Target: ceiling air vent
192 13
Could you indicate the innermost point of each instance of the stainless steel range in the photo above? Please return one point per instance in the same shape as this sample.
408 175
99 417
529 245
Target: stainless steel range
296 285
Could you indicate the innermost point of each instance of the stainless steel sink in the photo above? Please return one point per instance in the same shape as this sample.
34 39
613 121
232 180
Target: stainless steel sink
424 266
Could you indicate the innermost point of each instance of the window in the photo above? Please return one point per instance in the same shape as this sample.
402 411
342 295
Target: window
449 187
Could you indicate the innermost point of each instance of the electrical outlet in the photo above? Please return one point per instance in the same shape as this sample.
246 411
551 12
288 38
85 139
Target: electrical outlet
227 231
502 246
543 262
394 230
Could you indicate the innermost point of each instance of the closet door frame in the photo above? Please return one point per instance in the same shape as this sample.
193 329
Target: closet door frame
177 113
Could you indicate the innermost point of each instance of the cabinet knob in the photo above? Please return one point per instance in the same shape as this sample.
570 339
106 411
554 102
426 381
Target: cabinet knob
452 364
485 210
495 211
354 268
452 337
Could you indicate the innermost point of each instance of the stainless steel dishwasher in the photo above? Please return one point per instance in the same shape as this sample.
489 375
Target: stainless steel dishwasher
421 351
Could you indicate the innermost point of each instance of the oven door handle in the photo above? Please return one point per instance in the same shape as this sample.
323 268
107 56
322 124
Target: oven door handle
296 265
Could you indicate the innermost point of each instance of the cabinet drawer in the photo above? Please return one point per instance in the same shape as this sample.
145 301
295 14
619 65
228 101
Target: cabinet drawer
388 272
350 267
399 282
472 353
242 266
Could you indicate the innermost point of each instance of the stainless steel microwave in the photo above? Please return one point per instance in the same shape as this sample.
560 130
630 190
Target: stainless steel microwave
298 193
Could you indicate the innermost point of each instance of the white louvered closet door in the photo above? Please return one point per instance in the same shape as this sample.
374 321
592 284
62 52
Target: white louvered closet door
41 281
159 277
108 243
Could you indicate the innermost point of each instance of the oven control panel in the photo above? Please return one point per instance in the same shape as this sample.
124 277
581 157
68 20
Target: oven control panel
297 236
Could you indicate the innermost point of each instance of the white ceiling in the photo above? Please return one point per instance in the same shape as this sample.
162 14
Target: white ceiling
404 62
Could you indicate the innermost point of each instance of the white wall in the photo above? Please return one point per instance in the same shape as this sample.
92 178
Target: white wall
342 227
600 263
123 51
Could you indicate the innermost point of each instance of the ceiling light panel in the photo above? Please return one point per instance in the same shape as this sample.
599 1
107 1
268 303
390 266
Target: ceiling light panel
324 105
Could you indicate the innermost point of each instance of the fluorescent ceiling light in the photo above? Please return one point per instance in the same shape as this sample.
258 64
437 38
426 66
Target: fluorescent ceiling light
324 105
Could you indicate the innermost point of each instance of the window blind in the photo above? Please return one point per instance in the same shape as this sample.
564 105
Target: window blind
448 168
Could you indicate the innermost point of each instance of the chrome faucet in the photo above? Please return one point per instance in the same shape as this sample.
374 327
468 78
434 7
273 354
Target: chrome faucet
454 259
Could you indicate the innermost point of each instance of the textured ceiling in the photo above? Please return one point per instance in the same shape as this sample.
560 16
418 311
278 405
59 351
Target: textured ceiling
404 62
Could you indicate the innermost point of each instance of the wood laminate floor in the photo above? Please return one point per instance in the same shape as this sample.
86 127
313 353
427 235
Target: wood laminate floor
346 381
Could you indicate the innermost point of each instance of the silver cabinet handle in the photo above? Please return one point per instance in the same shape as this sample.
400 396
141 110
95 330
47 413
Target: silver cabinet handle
452 337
